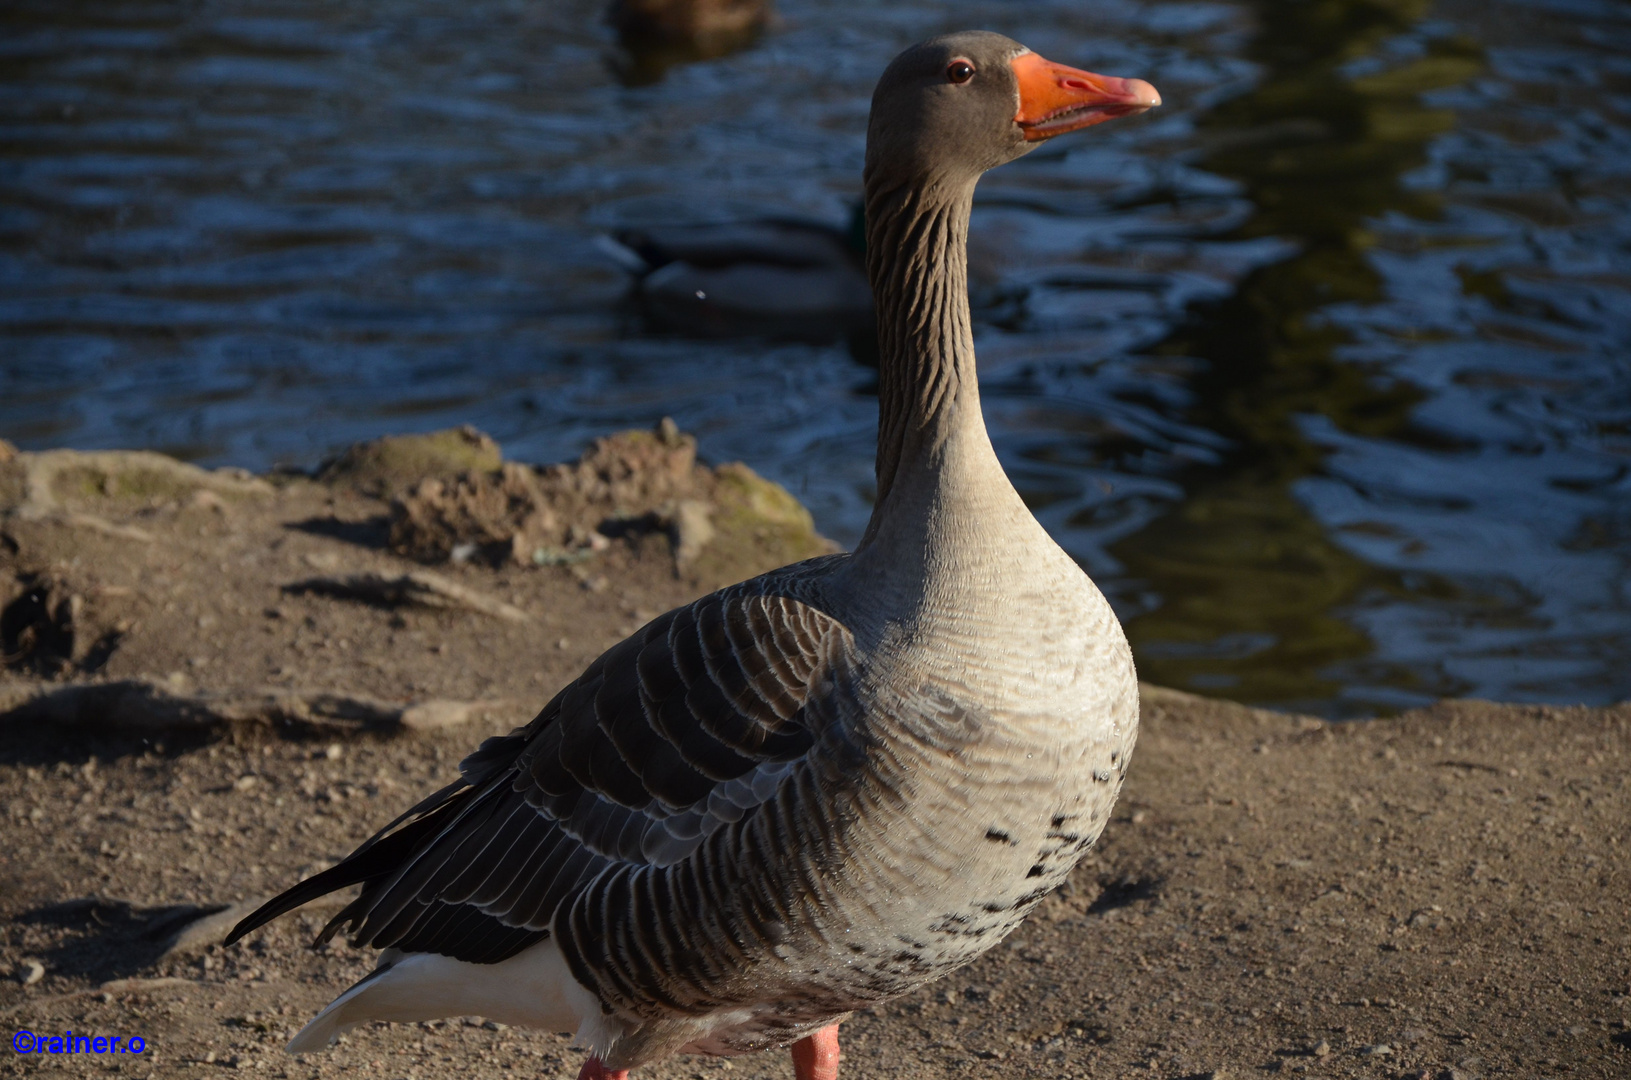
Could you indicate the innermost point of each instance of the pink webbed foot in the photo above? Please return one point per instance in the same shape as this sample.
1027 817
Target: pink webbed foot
815 1057
594 1070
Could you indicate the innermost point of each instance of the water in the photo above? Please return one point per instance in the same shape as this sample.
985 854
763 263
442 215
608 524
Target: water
1321 369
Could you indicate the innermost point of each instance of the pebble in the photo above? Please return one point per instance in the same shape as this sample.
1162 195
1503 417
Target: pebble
1376 1050
245 782
30 972
1320 1049
434 714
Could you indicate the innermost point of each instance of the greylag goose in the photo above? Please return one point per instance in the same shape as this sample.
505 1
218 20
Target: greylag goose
820 788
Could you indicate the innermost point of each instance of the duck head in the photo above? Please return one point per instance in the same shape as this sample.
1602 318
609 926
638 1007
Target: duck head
950 108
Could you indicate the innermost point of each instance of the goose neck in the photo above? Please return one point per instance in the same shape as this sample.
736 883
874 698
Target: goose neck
928 390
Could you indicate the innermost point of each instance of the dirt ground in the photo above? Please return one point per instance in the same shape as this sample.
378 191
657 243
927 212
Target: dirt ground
216 683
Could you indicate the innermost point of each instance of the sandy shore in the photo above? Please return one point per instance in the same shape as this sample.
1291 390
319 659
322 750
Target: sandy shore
218 682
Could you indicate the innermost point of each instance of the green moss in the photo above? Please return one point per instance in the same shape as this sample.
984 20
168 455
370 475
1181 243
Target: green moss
57 477
758 525
391 464
99 479
748 498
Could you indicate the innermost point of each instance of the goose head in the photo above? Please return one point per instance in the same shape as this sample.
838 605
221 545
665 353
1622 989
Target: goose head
950 108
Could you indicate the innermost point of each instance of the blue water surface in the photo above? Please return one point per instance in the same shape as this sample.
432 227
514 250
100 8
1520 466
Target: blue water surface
1323 370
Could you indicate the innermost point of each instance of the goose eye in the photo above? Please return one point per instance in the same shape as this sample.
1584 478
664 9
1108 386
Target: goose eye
959 71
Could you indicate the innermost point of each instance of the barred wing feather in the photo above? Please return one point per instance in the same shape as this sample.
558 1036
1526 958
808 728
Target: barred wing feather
675 732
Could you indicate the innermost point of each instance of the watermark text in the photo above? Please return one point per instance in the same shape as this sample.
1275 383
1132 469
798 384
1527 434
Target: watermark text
26 1042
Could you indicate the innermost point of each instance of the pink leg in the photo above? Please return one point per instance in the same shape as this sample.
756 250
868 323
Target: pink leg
815 1057
594 1070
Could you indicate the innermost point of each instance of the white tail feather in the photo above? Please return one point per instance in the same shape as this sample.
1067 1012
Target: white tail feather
534 989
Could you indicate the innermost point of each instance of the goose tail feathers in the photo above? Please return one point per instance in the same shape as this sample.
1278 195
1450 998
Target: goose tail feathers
533 988
343 1013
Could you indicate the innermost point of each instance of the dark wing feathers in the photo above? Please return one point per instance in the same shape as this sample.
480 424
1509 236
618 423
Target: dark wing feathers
654 746
377 856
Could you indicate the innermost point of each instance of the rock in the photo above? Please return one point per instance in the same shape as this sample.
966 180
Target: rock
627 484
30 972
7 451
502 514
760 501
692 530
388 466
1375 1050
64 484
435 714
755 518
1320 1049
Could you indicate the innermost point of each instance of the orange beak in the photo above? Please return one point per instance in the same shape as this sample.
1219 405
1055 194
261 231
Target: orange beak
1054 99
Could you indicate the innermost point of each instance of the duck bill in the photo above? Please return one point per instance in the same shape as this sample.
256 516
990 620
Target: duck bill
1054 99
